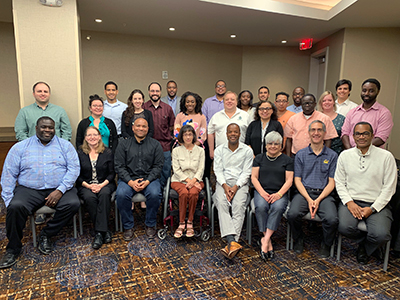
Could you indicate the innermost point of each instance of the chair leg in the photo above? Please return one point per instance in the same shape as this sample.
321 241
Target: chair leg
212 219
386 259
80 220
116 216
121 228
333 249
339 247
249 223
33 230
75 229
288 237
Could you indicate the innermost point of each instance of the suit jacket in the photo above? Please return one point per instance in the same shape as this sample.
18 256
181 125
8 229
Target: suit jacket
253 134
104 167
178 104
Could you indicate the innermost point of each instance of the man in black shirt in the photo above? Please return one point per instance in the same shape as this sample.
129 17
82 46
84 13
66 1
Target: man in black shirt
138 163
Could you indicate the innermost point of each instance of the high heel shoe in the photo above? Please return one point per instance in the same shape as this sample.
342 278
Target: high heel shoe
264 255
270 254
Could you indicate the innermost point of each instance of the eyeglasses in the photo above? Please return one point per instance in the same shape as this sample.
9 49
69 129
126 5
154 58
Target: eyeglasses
265 108
281 101
97 106
220 86
273 144
154 91
92 135
365 133
308 103
188 134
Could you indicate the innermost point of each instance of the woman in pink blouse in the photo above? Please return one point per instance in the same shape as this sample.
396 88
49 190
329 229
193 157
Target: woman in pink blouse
191 115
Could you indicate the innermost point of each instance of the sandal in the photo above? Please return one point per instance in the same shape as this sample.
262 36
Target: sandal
179 231
190 231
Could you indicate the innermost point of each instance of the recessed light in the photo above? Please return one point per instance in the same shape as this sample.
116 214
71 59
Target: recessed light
88 37
98 20
233 36
172 29
284 42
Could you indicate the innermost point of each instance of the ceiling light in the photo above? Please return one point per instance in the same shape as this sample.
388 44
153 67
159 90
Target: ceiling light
284 42
98 20
233 36
172 29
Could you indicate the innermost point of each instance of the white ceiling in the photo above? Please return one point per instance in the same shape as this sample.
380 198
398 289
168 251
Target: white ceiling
196 20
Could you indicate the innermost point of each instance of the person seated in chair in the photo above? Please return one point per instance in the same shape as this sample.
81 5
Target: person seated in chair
96 182
45 168
366 179
314 169
188 167
233 163
138 162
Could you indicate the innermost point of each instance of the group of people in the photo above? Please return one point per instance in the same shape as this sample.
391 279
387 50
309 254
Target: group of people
269 146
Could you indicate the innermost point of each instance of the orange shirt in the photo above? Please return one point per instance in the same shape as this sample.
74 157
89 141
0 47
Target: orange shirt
283 120
297 129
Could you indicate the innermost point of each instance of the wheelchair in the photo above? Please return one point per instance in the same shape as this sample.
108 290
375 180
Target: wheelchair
170 210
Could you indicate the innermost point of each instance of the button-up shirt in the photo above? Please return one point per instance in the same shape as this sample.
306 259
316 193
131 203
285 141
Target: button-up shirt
315 170
174 103
297 129
211 106
134 160
114 112
25 123
40 167
233 167
345 107
377 115
164 120
295 109
369 177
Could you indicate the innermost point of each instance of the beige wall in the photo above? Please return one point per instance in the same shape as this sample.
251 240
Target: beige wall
9 96
135 61
279 68
335 42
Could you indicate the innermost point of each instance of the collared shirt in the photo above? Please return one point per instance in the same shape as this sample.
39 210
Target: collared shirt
114 112
220 121
233 167
297 129
187 163
377 115
163 119
134 160
211 106
369 177
285 117
315 170
174 103
294 108
25 123
345 107
40 167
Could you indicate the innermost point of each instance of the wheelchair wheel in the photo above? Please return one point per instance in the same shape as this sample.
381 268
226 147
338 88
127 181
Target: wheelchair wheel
205 235
162 234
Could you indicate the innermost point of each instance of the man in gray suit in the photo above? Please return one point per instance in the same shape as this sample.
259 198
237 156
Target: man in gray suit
172 99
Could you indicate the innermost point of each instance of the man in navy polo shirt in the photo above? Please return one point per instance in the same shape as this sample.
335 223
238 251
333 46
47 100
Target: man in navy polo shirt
314 171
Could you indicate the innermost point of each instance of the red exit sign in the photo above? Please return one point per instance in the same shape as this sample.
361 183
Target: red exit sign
305 44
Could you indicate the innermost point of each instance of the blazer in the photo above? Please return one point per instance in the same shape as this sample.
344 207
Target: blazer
112 141
104 167
253 134
126 131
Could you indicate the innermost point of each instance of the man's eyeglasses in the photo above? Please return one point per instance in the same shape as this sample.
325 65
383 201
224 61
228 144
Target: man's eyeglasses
365 133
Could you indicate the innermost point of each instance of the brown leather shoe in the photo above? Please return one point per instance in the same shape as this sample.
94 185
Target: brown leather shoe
225 251
151 232
128 234
234 248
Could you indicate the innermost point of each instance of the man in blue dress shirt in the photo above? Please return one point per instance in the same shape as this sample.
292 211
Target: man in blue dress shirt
45 168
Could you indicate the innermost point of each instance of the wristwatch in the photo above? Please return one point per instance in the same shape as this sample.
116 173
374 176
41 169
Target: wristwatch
373 209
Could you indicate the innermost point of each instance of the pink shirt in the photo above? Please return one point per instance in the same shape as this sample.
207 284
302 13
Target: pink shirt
297 129
199 124
377 115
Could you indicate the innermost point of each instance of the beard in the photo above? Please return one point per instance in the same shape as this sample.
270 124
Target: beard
155 98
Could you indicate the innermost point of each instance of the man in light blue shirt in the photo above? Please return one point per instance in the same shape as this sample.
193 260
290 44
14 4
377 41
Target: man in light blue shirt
298 93
25 123
172 99
45 167
113 108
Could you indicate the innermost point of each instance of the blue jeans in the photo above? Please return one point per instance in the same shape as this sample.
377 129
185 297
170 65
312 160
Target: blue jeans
124 196
166 170
269 215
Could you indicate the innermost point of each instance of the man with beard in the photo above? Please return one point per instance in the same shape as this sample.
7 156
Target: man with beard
172 99
298 93
263 93
38 171
113 108
163 119
369 111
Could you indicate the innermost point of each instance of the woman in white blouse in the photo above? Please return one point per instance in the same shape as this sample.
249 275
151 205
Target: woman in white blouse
188 168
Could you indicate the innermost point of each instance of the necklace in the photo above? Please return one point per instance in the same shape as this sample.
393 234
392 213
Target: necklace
272 158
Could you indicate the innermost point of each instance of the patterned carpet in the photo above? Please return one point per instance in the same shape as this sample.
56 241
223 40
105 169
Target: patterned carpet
189 269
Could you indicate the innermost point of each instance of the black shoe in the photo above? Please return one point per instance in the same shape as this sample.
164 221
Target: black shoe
264 255
40 219
298 246
8 260
107 237
98 241
324 251
270 254
362 256
151 232
45 245
396 254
